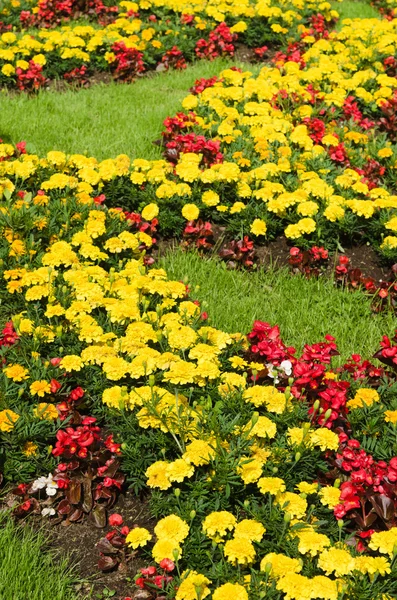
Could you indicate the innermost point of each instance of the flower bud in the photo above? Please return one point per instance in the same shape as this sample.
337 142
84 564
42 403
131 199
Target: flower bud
177 492
268 568
340 523
192 514
328 414
287 517
175 554
246 503
337 483
316 405
298 456
275 470
255 417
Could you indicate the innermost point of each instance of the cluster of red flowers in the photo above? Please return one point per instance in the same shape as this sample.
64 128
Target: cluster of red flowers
368 492
175 125
239 253
309 262
150 577
198 234
202 84
220 43
197 144
8 336
53 12
78 75
174 59
32 79
128 63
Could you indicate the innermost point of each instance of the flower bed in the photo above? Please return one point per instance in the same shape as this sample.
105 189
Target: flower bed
284 153
277 471
271 473
145 36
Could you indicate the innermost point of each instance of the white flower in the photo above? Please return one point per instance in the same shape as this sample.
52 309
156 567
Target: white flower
45 482
286 366
48 512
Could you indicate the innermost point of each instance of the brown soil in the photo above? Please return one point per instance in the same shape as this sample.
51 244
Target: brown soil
275 255
78 542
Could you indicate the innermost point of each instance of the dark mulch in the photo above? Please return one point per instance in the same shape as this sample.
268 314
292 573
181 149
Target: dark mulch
79 540
275 255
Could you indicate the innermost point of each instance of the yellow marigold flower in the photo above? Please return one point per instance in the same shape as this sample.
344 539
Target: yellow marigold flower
157 475
384 541
307 488
44 411
250 470
391 416
172 528
280 564
181 372
263 428
217 524
30 449
390 242
265 394
166 549
198 452
150 212
271 485
193 585
385 153
293 504
230 590
372 565
40 388
364 397
116 397
179 469
250 530
138 537
325 439
334 212
16 372
329 496
311 542
190 212
72 362
337 561
239 551
392 224
258 227
8 418
210 198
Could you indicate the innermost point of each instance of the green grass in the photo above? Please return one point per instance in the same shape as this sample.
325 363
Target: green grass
27 570
354 9
304 309
101 121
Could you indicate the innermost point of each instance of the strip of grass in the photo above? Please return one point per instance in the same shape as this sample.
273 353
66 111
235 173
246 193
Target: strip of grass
354 9
304 309
27 570
101 121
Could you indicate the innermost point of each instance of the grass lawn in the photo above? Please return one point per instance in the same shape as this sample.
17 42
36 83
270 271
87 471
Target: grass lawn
28 571
101 121
304 309
354 9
